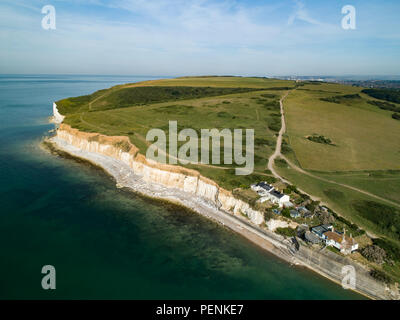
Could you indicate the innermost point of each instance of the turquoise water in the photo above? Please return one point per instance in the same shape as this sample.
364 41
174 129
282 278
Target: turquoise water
110 243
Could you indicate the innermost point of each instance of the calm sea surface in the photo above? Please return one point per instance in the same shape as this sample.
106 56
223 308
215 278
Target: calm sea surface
110 243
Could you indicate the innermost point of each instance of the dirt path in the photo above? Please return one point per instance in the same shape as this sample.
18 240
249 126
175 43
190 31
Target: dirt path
277 152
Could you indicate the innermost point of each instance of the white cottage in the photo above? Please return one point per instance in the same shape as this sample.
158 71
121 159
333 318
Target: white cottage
345 244
276 198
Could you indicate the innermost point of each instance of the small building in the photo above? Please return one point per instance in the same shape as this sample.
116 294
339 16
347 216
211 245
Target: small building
324 209
320 230
345 244
307 215
311 237
262 187
303 210
295 214
268 193
276 211
288 204
276 197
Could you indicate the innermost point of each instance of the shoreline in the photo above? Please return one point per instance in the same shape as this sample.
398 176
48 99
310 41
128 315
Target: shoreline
274 244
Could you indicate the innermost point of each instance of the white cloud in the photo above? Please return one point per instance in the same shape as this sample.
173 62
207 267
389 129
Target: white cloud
301 13
163 37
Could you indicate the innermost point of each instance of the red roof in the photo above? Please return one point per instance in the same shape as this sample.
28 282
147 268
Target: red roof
338 238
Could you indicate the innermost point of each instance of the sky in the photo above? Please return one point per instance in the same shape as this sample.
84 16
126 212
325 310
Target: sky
200 37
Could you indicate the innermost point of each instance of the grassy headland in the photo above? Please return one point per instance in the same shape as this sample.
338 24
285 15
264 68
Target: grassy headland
198 103
344 136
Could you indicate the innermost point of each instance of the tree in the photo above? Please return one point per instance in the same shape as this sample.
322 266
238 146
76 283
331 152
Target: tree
267 215
285 212
374 253
326 218
396 116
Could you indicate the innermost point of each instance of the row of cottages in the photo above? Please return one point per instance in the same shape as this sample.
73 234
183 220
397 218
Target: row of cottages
268 193
343 243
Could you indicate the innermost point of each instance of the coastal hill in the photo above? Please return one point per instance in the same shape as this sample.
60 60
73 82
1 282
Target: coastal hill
356 174
199 103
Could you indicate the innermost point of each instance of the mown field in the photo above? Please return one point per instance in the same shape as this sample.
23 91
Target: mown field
364 137
197 103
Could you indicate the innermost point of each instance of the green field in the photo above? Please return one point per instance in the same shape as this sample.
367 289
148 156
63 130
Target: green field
364 136
198 103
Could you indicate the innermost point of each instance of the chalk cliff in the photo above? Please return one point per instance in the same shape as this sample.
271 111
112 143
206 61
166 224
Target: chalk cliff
57 117
177 177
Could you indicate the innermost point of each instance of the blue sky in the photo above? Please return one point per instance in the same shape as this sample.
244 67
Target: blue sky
194 37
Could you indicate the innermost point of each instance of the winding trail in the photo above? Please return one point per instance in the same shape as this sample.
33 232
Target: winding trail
278 154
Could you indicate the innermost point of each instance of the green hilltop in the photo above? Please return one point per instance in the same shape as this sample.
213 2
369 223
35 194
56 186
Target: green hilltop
344 137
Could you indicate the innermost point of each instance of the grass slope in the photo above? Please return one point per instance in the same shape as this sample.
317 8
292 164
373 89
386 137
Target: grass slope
198 103
365 137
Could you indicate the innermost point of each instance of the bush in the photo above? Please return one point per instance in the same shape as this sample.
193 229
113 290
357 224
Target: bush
380 276
268 215
274 124
326 218
269 95
287 232
386 218
263 141
385 105
312 205
392 95
340 99
374 253
281 163
290 188
286 149
392 250
319 139
272 105
396 116
285 212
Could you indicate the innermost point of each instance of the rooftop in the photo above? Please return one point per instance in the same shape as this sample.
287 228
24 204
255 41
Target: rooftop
311 237
264 185
321 229
276 194
338 238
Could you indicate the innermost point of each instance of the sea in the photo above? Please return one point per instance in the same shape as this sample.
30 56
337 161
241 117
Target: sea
110 243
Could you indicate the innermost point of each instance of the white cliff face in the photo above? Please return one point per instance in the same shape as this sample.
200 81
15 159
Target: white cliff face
187 180
274 224
57 117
